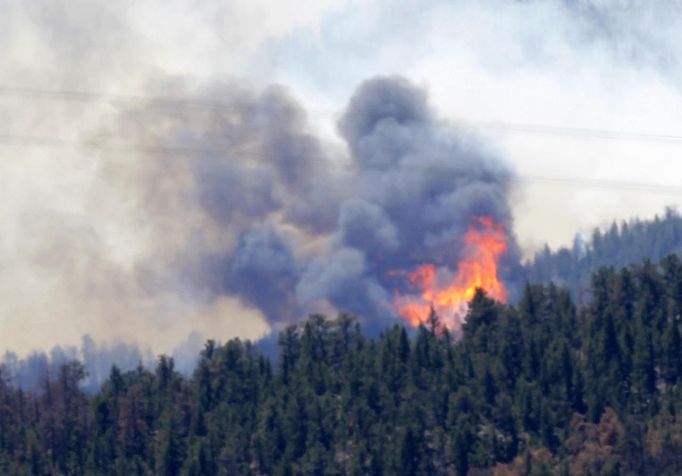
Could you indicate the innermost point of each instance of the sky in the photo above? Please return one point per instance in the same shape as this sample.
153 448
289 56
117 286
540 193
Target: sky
580 100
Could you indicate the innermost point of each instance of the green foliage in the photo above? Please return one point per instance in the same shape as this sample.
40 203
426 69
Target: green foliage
542 387
618 246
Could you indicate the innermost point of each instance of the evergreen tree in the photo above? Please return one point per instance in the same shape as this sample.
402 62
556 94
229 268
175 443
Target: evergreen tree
540 387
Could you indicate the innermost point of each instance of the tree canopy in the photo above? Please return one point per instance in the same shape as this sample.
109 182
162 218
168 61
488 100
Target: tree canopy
540 387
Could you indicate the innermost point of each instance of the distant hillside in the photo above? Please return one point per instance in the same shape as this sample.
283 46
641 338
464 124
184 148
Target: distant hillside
619 246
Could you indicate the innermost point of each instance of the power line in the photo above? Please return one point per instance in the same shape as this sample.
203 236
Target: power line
47 142
575 182
527 128
603 184
573 131
87 97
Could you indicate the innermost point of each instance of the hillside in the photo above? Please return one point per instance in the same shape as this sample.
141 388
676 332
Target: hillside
620 245
538 388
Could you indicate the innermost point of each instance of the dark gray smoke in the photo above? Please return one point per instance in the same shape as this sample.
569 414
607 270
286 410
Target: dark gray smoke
417 185
291 225
200 210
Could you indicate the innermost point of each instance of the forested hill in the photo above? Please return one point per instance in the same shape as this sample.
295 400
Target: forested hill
619 246
537 388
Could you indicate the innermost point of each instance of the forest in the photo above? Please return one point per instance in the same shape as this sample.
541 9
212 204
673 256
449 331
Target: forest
539 388
618 245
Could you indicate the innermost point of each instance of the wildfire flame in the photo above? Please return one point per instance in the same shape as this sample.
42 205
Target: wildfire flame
485 241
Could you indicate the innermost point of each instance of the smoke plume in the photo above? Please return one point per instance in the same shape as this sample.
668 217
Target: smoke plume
248 202
227 209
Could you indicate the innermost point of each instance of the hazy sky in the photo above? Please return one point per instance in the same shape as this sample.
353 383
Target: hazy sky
536 81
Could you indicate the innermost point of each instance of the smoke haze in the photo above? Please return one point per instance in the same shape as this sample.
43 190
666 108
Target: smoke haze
243 205
250 203
229 206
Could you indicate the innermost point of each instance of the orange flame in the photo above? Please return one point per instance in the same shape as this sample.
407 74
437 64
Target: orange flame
485 242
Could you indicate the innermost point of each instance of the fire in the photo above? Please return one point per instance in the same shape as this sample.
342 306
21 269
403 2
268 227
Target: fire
485 241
